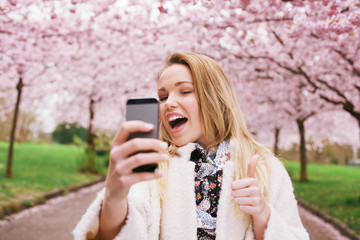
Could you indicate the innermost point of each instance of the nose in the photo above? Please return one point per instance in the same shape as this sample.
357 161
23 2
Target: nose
171 102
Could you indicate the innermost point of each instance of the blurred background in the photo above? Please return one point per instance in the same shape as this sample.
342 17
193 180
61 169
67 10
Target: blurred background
68 67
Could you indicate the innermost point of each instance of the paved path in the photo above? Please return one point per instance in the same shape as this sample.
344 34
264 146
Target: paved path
56 219
317 228
53 220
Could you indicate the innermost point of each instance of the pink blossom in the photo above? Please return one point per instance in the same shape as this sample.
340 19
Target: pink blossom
20 68
162 9
12 2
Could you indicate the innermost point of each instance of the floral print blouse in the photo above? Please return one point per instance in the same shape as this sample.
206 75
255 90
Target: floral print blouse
208 176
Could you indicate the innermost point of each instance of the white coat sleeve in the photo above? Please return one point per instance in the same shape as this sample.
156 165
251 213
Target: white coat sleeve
136 223
284 222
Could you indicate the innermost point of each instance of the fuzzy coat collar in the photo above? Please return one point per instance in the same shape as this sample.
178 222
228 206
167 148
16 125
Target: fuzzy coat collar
179 207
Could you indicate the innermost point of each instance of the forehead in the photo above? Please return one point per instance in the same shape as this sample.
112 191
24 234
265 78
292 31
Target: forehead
175 73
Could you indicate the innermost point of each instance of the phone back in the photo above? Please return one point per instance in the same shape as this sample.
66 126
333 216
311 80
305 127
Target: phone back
147 110
144 109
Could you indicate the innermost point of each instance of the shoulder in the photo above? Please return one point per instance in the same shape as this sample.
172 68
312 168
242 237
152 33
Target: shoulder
277 169
280 181
276 166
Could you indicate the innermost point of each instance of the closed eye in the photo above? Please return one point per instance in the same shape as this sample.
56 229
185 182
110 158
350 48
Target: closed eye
162 99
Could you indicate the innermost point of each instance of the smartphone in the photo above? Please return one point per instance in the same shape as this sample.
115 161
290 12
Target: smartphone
147 110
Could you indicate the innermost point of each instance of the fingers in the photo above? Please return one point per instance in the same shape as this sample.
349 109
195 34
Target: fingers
120 176
118 185
126 166
247 201
243 183
249 209
252 166
139 177
247 194
130 127
247 187
125 155
137 145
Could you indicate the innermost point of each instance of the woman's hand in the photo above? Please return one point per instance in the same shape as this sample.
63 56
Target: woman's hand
248 196
120 177
123 159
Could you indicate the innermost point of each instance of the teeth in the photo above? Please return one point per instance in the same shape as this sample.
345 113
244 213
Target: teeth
173 118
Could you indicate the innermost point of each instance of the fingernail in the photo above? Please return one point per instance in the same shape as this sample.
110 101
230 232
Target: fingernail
163 145
159 173
164 157
148 126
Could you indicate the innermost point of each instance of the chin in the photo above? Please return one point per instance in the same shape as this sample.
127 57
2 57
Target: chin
181 142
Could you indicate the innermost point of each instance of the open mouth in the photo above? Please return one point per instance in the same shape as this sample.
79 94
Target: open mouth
176 122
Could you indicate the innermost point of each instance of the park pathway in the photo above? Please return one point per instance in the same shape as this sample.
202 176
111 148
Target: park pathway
56 219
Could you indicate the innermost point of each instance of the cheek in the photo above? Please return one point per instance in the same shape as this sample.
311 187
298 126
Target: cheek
196 115
193 109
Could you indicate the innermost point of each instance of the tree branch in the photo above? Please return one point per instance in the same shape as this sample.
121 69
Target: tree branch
278 38
308 116
347 106
350 61
332 88
270 20
357 87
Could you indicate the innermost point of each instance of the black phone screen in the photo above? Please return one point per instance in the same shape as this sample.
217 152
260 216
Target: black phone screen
147 110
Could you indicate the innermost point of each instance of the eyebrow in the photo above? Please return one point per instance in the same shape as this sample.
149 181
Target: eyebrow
176 85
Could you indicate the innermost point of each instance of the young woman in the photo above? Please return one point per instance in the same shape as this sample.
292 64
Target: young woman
215 180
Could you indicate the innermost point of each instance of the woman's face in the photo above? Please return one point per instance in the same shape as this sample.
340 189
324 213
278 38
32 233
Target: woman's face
179 108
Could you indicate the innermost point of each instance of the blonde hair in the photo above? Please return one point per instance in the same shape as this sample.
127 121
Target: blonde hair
221 117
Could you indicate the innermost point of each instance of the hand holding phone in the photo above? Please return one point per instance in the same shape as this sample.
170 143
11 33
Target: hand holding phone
123 159
147 110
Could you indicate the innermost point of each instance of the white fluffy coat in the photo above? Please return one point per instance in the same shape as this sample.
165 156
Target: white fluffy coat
176 219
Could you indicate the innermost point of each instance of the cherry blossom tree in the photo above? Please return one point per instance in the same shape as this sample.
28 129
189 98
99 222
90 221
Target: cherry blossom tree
275 37
288 60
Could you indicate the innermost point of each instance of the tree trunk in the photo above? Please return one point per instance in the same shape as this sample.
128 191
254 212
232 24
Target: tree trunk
303 172
276 141
358 139
90 137
8 173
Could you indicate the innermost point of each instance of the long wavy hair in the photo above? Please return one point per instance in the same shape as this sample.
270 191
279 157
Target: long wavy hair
221 118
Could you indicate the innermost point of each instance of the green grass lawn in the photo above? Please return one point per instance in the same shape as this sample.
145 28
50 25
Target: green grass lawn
42 167
334 189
